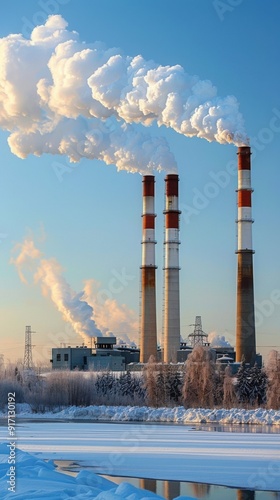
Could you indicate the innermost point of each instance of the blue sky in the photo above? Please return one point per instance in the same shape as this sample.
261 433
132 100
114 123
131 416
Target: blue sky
89 219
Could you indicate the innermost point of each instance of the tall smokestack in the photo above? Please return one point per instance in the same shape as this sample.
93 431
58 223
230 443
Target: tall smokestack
171 271
245 317
148 336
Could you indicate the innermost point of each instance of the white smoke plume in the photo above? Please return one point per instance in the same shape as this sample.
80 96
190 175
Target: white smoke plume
61 96
112 316
217 340
66 120
25 260
87 312
74 309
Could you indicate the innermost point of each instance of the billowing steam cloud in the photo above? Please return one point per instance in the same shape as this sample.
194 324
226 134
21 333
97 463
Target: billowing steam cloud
112 316
61 96
87 312
48 273
217 340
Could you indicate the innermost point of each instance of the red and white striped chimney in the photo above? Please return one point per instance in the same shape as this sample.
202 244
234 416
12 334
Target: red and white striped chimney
171 327
148 334
245 316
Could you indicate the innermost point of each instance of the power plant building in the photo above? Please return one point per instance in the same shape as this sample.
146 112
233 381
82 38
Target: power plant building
103 356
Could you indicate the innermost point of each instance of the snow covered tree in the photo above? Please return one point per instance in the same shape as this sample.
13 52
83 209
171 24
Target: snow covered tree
10 385
125 385
149 381
258 383
138 397
175 385
229 397
200 379
34 389
161 389
251 385
56 389
243 385
128 389
78 389
273 373
104 383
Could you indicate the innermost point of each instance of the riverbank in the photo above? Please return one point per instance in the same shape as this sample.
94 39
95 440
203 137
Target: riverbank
179 414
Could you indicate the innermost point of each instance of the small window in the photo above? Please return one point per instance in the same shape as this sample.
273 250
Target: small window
66 357
85 360
58 357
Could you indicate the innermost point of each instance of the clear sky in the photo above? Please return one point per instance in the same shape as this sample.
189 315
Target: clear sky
89 217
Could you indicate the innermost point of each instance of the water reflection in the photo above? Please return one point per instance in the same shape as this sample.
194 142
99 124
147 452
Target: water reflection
200 490
243 428
171 489
148 484
245 495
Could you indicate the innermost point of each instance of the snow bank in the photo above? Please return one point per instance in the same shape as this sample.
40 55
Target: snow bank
37 480
146 414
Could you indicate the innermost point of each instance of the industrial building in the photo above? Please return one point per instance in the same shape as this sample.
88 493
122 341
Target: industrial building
103 356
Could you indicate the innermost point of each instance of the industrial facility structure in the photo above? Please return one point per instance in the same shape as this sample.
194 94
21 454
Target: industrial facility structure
171 326
106 355
245 315
148 339
103 356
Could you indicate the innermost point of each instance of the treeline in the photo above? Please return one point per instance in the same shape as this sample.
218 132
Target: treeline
72 388
204 384
198 383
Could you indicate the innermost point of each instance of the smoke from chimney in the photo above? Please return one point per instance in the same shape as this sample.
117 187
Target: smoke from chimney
88 312
217 340
110 316
48 273
61 96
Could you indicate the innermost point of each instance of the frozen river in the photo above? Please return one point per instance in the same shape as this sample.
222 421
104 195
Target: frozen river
162 452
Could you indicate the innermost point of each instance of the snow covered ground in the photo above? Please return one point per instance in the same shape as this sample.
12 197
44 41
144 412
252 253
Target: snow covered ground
178 414
38 480
158 451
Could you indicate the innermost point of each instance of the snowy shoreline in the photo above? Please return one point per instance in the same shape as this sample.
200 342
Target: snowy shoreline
178 415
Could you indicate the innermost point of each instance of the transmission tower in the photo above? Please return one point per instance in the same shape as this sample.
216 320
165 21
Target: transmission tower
27 362
198 337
